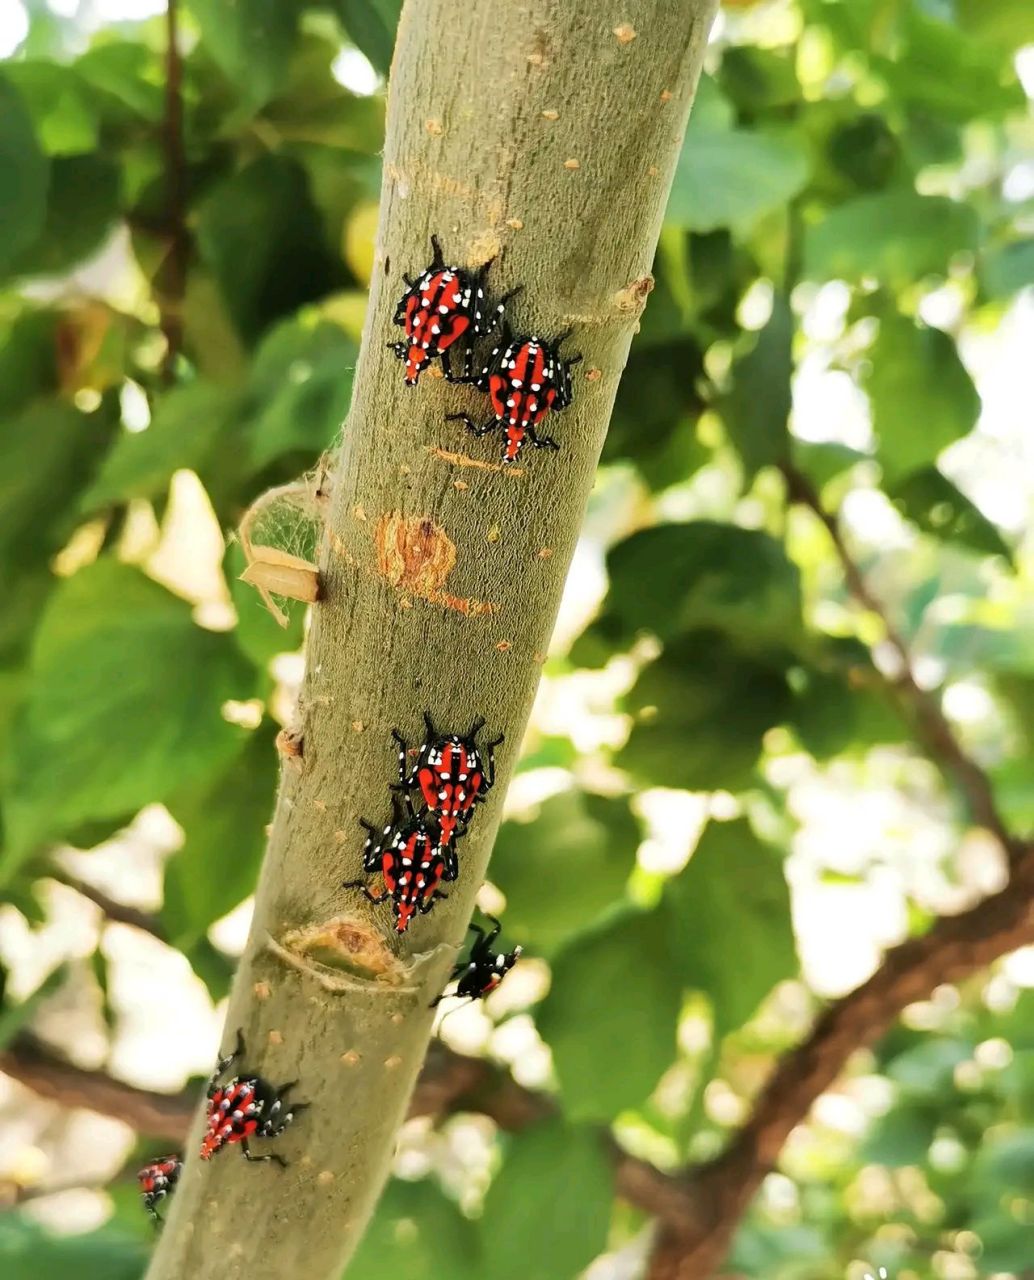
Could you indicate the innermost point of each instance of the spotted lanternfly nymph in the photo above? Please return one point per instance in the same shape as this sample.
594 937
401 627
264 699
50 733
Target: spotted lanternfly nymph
443 306
413 861
484 969
245 1107
158 1180
450 773
525 378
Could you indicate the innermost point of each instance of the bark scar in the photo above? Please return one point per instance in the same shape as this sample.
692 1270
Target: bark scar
416 556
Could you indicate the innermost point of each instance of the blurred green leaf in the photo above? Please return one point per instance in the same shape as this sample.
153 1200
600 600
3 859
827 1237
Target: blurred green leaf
83 204
729 177
371 24
902 1136
702 710
946 73
823 460
1007 269
262 237
251 40
730 921
185 431
301 386
61 104
615 993
894 236
224 826
47 454
27 1252
124 708
930 500
674 577
585 844
559 1180
24 177
756 410
922 396
419 1234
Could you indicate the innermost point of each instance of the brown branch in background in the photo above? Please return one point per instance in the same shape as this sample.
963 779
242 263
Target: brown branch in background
932 726
114 911
155 1115
955 948
171 279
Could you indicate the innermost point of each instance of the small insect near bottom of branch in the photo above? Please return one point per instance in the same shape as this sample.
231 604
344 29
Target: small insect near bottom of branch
484 969
245 1107
158 1180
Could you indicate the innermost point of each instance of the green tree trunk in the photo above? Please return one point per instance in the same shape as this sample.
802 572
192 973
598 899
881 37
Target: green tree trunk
544 134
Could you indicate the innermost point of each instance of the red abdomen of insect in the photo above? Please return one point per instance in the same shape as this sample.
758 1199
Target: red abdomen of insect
437 313
229 1117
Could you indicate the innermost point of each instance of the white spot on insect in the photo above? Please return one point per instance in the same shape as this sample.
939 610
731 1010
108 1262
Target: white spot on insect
444 310
535 386
517 382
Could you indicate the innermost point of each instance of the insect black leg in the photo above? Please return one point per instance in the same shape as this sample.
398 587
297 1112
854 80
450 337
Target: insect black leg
471 425
438 260
223 1063
497 928
490 757
541 442
246 1153
477 725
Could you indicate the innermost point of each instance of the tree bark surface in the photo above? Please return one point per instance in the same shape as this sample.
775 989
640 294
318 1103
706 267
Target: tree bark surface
543 134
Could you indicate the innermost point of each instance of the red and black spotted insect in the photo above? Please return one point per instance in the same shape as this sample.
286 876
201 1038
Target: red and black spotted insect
450 773
245 1107
413 861
525 378
442 307
484 969
158 1180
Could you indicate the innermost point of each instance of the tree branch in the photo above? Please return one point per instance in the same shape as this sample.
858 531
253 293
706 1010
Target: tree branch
113 910
932 726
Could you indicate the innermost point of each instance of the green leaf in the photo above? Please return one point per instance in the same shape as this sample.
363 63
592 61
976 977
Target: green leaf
262 237
83 204
902 1136
548 1209
224 826
186 431
614 987
585 845
945 73
24 177
61 104
1007 269
729 177
731 927
302 387
371 24
124 709
756 411
27 1252
252 42
824 460
930 500
28 359
674 577
47 453
922 397
418 1234
895 236
702 711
